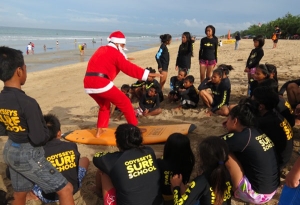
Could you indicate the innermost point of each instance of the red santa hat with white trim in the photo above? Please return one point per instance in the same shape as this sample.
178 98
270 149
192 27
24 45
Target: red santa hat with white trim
117 37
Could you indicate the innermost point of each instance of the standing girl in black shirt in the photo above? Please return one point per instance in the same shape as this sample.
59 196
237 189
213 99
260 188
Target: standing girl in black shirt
185 53
162 58
208 52
255 56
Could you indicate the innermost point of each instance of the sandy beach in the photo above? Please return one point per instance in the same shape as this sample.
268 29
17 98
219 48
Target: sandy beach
60 91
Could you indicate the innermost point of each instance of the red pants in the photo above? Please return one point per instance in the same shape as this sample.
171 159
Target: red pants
119 99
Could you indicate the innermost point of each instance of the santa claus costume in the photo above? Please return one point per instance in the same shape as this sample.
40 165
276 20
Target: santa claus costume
103 67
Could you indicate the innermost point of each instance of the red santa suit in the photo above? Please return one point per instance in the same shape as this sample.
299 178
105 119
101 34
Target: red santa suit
102 69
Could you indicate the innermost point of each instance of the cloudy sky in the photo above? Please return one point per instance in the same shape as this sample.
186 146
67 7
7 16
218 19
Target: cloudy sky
141 16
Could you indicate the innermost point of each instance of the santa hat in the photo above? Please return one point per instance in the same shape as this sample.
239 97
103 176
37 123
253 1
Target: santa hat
117 37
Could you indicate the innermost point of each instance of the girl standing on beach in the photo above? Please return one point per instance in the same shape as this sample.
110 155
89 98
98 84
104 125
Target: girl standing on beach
103 67
162 58
208 52
185 53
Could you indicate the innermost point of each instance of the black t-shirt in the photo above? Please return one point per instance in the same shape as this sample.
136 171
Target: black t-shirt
134 174
64 156
150 103
175 84
256 153
285 109
167 171
280 132
221 92
190 95
184 55
162 57
254 58
284 86
138 84
22 117
208 48
200 191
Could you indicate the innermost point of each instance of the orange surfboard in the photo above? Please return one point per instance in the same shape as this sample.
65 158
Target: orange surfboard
153 135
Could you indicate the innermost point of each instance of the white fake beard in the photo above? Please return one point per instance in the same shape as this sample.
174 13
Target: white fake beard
122 51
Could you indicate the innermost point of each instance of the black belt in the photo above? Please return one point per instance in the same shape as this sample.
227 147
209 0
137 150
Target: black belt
96 74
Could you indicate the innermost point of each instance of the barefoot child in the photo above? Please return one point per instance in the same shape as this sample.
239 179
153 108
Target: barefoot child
74 169
185 51
27 133
176 83
150 102
218 101
189 95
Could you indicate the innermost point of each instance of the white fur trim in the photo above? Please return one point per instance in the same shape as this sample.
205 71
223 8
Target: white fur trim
99 90
117 40
145 75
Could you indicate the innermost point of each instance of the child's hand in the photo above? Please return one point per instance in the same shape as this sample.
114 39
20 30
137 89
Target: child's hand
292 179
209 113
246 70
176 180
159 69
146 112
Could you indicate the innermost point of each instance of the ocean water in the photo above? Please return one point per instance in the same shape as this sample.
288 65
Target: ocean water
19 38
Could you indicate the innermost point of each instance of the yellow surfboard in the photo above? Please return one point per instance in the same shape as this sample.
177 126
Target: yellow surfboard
228 41
153 135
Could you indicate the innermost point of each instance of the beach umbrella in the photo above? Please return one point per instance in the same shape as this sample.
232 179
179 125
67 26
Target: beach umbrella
228 35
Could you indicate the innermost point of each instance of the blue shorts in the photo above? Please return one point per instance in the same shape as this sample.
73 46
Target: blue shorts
28 166
290 196
38 191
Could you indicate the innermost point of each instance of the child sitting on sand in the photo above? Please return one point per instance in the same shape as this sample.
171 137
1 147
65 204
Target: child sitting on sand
218 101
136 89
177 158
149 103
70 164
213 185
151 81
125 88
252 164
176 83
189 95
274 125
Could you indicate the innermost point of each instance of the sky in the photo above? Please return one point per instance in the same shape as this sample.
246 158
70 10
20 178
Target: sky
140 16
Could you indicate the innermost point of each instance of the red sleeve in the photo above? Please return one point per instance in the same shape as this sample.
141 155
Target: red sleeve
131 69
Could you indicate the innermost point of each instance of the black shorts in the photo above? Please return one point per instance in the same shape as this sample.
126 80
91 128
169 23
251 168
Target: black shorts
276 40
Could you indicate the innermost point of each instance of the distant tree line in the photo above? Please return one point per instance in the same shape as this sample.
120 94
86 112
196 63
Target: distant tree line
289 25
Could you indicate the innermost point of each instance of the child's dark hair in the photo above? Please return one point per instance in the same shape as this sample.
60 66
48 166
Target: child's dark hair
178 152
260 39
187 47
266 96
213 29
272 69
155 87
225 68
271 83
165 38
10 60
213 156
53 125
183 70
189 78
264 70
128 136
151 70
246 112
125 87
219 72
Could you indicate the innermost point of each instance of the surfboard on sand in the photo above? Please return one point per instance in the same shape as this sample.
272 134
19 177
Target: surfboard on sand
153 135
